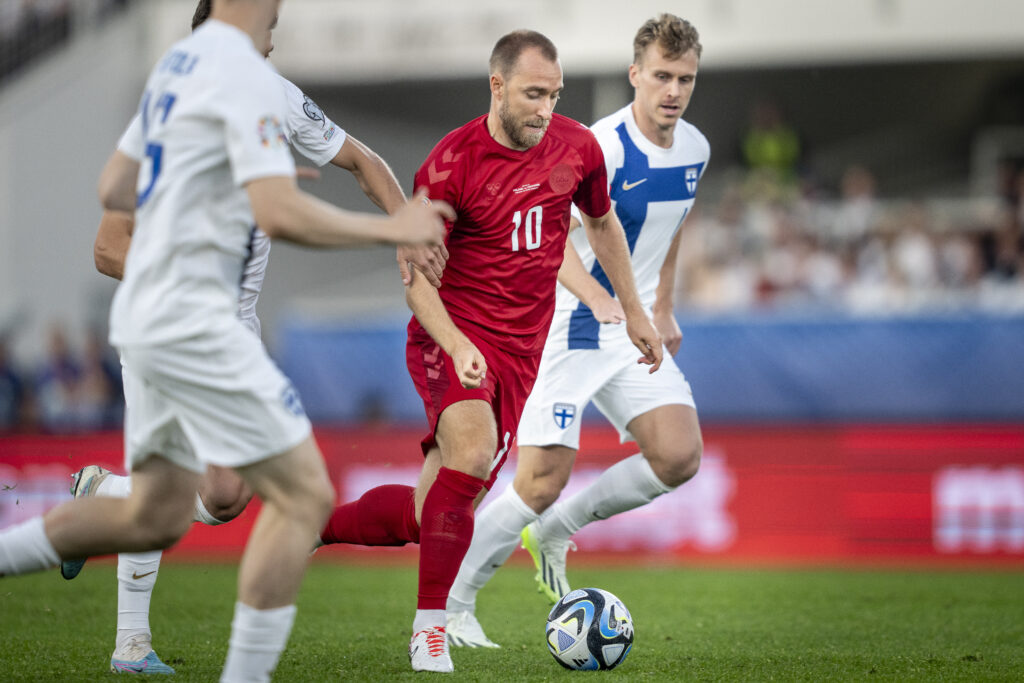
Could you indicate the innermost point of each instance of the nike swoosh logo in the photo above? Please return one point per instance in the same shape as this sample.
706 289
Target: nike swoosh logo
139 576
626 186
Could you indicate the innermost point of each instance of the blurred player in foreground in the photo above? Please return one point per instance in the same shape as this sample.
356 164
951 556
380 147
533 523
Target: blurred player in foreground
474 344
200 386
654 160
222 494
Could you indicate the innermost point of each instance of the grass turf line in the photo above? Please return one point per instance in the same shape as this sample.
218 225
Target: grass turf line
692 625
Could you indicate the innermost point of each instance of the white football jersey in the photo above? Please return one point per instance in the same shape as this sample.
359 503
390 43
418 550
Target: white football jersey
211 120
652 191
314 135
318 139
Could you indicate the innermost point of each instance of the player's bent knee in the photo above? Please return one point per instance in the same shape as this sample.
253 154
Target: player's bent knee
475 464
540 494
679 464
226 508
315 503
687 464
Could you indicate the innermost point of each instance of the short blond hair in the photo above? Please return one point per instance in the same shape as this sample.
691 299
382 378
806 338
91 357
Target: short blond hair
675 37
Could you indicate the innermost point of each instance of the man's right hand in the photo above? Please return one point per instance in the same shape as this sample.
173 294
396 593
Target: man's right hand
470 365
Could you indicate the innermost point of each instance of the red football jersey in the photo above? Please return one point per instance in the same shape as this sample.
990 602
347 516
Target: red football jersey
506 245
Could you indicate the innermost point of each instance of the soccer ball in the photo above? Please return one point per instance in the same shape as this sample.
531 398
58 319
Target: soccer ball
588 629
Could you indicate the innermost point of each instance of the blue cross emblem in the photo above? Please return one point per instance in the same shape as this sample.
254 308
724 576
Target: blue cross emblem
692 173
564 414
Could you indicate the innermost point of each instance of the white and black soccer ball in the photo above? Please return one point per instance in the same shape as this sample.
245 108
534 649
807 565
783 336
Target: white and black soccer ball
588 629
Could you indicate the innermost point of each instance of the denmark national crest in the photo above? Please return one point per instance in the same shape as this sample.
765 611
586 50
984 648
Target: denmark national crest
564 414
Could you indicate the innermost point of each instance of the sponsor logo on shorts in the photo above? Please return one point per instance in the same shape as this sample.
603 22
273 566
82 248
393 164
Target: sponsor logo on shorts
564 414
290 399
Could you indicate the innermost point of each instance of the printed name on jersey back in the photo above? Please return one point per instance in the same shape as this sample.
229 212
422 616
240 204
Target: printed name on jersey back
179 62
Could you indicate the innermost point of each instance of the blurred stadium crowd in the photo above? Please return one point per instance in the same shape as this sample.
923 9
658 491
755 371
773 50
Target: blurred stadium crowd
70 391
779 238
782 244
31 28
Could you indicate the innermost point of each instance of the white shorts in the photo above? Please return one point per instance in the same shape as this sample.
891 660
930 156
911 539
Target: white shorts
611 378
215 399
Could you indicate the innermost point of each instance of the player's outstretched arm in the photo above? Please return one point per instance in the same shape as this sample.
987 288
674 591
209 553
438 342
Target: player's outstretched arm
609 243
429 310
574 277
374 176
285 212
378 183
664 306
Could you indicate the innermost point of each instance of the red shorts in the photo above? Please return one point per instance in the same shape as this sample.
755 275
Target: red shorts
506 386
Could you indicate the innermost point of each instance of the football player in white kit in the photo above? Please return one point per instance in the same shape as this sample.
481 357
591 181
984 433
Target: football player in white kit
654 160
223 495
200 385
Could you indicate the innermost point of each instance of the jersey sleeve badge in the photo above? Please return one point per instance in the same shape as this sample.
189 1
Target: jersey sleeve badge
271 132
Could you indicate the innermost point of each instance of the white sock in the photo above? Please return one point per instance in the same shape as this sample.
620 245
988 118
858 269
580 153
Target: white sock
258 638
495 536
136 576
625 485
427 618
115 486
25 548
201 514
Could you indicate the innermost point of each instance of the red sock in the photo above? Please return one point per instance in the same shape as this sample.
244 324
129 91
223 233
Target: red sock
446 529
385 515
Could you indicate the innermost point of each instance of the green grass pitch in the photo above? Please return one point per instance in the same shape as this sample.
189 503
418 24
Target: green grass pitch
691 625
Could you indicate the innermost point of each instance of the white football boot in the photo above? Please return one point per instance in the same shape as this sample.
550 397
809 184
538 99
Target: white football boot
428 651
465 631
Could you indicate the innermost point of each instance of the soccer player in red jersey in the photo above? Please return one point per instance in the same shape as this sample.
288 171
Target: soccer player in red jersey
475 343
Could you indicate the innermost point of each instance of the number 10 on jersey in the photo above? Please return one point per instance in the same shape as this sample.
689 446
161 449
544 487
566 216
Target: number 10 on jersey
531 228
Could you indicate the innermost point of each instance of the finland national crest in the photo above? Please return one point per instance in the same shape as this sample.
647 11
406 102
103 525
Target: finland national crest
691 180
564 414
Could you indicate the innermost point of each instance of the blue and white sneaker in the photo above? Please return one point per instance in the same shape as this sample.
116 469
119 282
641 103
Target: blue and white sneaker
83 483
137 657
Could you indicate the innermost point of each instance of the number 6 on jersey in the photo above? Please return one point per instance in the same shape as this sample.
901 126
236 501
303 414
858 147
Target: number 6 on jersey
532 228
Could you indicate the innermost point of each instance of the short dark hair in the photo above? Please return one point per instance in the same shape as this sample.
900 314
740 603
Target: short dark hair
673 35
508 48
202 13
